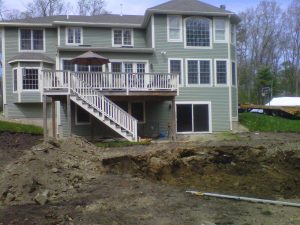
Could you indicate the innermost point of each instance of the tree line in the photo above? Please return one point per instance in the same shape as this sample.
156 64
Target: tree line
39 8
268 51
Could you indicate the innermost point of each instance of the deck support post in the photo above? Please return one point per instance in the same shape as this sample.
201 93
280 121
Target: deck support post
45 117
69 116
53 109
173 124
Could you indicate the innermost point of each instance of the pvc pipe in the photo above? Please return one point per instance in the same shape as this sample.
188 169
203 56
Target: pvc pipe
257 200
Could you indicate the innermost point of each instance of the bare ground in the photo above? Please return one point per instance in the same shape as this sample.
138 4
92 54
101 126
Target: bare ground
146 184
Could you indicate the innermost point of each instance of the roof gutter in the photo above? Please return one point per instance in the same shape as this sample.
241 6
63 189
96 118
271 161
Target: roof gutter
7 24
129 25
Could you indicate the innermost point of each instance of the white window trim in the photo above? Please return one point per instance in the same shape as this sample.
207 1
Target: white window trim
13 72
227 72
21 79
128 61
227 33
199 85
181 65
180 30
32 50
235 67
122 45
144 109
81 36
196 103
81 123
210 34
75 66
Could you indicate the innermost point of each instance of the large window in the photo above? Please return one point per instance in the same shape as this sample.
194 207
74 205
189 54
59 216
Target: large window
175 67
174 28
220 30
74 35
221 72
32 40
122 37
30 79
197 32
199 72
193 117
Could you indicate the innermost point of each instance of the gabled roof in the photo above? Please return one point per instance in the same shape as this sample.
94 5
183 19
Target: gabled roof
187 6
31 57
182 7
108 19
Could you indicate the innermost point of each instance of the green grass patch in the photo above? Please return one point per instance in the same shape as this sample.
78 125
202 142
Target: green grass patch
20 128
118 144
265 123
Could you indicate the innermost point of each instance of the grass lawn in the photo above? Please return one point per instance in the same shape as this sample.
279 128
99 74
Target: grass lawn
265 123
115 144
20 128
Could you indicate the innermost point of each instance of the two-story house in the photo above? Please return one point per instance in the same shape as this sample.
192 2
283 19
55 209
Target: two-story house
172 70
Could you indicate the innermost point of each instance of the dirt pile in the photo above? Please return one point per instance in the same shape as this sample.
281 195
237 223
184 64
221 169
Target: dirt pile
253 171
59 171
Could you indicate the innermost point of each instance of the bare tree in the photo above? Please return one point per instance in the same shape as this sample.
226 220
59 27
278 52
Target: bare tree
91 7
46 8
258 44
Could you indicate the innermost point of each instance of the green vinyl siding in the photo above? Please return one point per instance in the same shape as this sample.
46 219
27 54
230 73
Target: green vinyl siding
149 35
232 52
27 110
234 102
11 49
219 98
101 37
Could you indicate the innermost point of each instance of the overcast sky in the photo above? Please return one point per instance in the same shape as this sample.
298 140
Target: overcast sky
138 7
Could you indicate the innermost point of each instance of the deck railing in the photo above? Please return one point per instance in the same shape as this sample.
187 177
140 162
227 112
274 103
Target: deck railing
113 81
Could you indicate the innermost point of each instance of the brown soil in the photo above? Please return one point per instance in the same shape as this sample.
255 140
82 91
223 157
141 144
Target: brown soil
146 184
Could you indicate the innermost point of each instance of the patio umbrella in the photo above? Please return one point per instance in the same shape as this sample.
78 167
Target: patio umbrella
90 58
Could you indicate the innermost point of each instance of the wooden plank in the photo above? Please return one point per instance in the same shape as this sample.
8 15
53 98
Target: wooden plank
69 116
53 118
173 135
45 117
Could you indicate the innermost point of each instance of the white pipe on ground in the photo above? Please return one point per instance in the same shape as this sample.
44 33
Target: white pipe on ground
256 200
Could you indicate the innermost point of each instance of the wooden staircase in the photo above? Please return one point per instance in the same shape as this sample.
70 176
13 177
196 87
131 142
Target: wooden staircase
103 109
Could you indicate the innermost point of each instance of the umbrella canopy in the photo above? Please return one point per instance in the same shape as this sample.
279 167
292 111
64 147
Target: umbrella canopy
90 58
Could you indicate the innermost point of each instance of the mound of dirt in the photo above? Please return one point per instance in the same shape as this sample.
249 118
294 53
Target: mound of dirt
245 170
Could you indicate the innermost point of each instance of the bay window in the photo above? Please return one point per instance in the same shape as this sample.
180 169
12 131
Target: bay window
30 79
220 30
221 72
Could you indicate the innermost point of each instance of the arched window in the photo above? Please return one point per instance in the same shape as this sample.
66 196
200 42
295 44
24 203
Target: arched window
197 31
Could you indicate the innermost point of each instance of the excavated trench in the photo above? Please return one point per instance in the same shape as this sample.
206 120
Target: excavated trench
241 170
